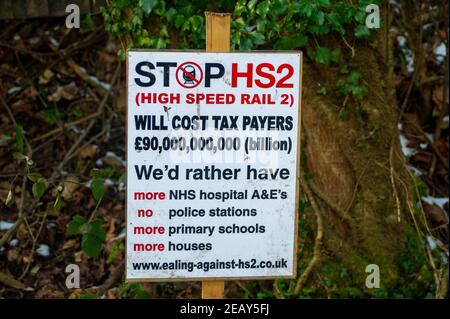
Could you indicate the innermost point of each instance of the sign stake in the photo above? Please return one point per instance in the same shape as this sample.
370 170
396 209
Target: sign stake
217 40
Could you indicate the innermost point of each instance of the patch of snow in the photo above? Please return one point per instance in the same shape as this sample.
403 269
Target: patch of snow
439 201
14 89
51 225
53 41
13 242
104 85
440 52
34 40
99 162
423 145
401 40
416 171
445 119
76 129
109 182
431 243
5 225
94 79
407 151
43 250
16 37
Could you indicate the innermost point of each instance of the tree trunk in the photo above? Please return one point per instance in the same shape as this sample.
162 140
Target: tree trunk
356 170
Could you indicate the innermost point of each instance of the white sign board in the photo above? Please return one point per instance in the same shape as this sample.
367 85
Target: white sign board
212 165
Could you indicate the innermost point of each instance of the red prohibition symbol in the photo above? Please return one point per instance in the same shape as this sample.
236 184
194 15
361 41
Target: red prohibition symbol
189 75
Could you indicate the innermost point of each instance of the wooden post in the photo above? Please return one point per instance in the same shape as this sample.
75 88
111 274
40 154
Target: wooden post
217 40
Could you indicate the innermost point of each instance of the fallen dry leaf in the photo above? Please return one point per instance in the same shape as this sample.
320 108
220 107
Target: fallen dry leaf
68 92
70 185
46 76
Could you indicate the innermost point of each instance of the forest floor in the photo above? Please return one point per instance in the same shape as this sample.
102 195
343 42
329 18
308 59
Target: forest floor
63 106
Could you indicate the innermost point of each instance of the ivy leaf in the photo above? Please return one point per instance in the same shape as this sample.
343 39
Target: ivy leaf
318 17
289 43
256 37
359 92
179 20
362 32
263 8
148 5
323 55
19 138
38 188
246 44
98 188
323 3
76 224
335 55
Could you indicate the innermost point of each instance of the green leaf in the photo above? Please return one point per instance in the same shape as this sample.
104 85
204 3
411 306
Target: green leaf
92 241
58 202
289 43
322 90
335 55
263 8
318 17
19 138
148 5
34 177
115 249
256 37
95 228
98 188
362 32
354 77
39 188
323 55
246 44
179 20
359 92
76 224
323 3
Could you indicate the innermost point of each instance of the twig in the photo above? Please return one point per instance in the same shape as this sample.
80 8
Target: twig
318 241
33 247
278 293
391 171
112 279
356 188
342 213
349 46
66 126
